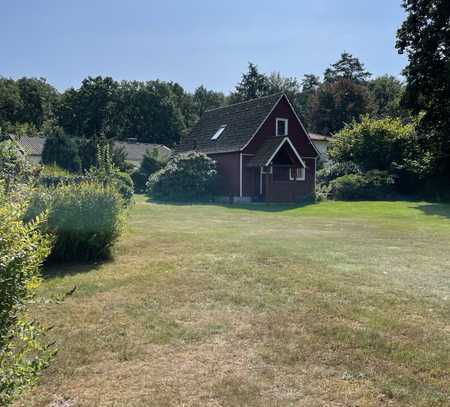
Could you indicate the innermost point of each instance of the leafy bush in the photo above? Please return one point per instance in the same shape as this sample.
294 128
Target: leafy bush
188 176
14 168
335 170
372 144
85 219
53 170
23 248
372 185
108 174
151 163
61 150
124 185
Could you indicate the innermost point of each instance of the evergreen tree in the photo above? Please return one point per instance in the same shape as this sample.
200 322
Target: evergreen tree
205 99
348 67
61 150
252 85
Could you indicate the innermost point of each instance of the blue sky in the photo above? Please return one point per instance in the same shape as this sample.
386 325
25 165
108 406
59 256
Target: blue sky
193 42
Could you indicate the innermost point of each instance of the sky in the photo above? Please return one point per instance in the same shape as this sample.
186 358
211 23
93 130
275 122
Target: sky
193 42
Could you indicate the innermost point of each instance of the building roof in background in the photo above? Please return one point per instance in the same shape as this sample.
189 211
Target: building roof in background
135 151
30 145
34 146
319 137
240 122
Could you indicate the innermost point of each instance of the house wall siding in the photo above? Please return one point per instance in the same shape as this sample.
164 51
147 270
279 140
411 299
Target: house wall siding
228 167
296 134
291 191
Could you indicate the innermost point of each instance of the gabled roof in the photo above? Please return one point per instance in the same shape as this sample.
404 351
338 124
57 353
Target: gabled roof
268 151
242 120
264 152
135 151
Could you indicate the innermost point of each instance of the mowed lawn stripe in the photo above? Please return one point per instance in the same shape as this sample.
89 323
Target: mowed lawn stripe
336 303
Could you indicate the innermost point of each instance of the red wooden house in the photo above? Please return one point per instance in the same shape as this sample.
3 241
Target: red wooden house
262 150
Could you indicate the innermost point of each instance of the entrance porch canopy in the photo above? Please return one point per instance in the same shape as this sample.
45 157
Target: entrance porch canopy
276 151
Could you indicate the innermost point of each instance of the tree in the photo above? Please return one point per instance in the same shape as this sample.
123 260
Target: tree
336 103
205 99
276 83
39 100
347 67
386 92
150 113
27 101
61 150
92 109
425 38
252 85
10 101
309 86
310 83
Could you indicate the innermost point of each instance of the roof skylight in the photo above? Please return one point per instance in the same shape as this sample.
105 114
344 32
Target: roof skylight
218 132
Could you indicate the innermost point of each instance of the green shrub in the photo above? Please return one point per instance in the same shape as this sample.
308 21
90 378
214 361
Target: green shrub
53 170
23 248
106 173
335 170
55 180
151 163
186 177
14 168
372 144
61 150
85 219
124 185
372 185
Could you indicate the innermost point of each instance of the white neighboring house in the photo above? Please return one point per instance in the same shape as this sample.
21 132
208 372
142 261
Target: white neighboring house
33 147
321 143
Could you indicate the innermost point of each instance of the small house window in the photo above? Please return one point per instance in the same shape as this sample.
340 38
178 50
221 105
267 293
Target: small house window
282 127
218 132
297 174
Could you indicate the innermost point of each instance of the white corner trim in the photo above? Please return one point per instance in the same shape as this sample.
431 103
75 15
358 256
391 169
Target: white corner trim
285 139
301 124
240 175
260 180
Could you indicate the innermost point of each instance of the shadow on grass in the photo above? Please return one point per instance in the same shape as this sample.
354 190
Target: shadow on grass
435 209
251 206
52 270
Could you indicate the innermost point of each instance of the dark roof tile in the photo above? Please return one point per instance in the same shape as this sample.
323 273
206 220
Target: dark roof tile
265 152
241 120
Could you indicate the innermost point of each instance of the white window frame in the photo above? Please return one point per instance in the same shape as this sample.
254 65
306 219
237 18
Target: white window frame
291 176
302 175
218 132
285 121
298 176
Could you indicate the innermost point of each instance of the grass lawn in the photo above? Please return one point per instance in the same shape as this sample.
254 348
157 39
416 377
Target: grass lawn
332 304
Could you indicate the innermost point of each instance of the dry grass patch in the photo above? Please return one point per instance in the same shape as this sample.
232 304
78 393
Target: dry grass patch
336 304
